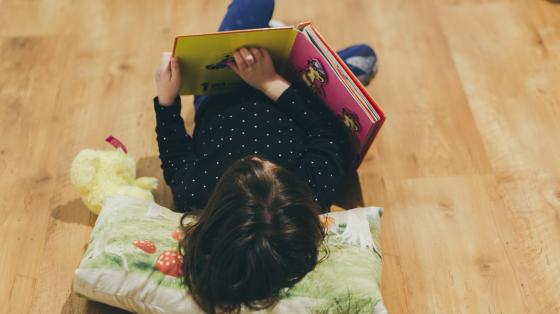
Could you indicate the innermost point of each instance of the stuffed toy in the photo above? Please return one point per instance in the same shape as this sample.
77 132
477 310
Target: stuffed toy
98 173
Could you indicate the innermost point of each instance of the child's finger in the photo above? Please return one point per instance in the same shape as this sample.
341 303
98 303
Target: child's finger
256 52
164 69
265 53
239 61
165 57
247 56
174 62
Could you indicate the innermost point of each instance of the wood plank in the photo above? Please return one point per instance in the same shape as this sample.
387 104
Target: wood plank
445 249
27 179
511 84
421 91
19 294
466 165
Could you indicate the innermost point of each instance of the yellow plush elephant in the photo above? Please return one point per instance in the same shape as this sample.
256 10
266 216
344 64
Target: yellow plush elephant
98 173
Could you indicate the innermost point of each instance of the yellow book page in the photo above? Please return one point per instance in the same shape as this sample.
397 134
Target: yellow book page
203 58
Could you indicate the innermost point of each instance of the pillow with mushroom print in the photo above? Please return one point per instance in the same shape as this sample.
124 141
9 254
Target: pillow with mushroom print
132 262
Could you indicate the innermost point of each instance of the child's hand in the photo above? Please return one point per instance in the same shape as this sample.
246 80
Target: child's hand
168 79
255 67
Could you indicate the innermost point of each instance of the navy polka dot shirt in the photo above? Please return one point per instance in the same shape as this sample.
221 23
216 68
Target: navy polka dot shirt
295 132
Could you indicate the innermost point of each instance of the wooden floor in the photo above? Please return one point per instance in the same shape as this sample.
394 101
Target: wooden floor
467 165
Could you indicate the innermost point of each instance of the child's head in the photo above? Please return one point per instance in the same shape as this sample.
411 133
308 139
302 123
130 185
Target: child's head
259 233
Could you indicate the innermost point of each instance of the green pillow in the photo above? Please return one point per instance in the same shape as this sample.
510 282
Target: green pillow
132 263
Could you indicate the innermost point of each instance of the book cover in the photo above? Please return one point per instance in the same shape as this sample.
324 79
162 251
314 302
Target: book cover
373 106
300 54
203 58
308 65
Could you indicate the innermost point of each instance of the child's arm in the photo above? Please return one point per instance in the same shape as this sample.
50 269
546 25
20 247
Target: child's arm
168 79
175 145
178 160
176 152
323 163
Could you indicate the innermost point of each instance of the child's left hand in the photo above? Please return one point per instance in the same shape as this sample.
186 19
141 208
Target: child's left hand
168 79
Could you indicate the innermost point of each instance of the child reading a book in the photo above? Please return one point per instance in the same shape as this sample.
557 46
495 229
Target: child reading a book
262 163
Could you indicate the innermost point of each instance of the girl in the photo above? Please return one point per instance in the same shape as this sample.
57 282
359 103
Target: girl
262 163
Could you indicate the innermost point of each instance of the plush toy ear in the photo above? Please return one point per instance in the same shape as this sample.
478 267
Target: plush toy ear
84 168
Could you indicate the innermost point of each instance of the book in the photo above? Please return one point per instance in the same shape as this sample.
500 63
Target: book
301 55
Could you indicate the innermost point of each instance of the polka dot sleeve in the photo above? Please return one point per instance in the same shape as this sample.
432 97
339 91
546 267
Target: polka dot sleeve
176 152
322 163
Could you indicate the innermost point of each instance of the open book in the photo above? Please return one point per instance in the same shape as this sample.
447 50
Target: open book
300 54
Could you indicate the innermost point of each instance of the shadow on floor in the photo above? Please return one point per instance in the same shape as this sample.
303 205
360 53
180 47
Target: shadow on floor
100 308
73 211
151 167
148 167
77 304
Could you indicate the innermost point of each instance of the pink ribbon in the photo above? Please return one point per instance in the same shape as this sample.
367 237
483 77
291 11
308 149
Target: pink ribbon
116 143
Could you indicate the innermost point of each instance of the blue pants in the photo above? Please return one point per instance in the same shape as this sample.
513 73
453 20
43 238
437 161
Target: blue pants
247 14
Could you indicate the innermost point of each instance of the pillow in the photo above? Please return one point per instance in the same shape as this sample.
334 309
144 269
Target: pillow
132 263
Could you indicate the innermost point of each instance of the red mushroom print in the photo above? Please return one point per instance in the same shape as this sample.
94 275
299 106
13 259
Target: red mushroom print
177 235
170 263
145 245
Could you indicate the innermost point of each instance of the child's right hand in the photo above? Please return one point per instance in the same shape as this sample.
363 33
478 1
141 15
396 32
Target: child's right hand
168 79
255 67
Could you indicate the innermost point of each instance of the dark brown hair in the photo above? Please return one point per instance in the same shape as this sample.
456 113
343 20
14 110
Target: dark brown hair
259 233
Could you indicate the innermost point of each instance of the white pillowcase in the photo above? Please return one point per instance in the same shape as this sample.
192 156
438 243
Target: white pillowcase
115 271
